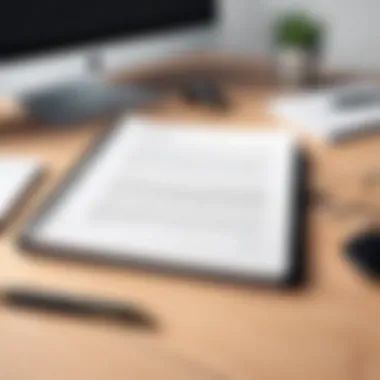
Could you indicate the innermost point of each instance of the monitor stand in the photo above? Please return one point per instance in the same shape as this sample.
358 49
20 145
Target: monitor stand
95 64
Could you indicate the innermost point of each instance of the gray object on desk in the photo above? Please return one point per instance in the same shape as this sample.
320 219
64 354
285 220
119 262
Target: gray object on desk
78 101
357 99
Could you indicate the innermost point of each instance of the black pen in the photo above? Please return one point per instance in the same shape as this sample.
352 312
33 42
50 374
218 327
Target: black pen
79 305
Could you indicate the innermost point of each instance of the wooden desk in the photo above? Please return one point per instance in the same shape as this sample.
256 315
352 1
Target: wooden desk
329 330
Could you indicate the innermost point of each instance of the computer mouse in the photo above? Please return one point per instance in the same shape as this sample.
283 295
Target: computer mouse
364 252
205 93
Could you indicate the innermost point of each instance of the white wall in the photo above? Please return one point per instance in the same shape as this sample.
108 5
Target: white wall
353 28
244 26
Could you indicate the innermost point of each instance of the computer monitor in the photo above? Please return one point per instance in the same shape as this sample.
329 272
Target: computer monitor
45 41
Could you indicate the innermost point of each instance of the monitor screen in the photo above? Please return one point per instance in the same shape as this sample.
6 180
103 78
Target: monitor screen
31 26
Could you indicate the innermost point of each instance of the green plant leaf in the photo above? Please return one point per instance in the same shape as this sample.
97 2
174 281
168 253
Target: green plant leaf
298 29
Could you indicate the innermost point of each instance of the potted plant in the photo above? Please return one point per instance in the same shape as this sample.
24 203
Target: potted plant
298 39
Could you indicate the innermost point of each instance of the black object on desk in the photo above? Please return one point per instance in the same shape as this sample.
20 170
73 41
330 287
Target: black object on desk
364 252
206 93
79 305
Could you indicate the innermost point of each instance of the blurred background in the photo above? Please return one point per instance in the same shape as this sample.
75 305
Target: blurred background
352 41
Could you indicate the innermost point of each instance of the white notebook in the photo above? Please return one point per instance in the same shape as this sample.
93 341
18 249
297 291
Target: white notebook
16 176
192 198
318 111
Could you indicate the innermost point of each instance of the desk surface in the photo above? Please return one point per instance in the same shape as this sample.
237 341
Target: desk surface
329 330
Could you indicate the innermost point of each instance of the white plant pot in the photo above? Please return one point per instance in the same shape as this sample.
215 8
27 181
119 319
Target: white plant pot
295 66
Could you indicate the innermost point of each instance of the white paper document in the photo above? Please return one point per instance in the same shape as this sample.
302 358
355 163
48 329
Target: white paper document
318 111
16 176
186 197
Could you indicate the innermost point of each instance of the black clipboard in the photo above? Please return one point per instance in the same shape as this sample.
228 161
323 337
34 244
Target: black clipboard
296 277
